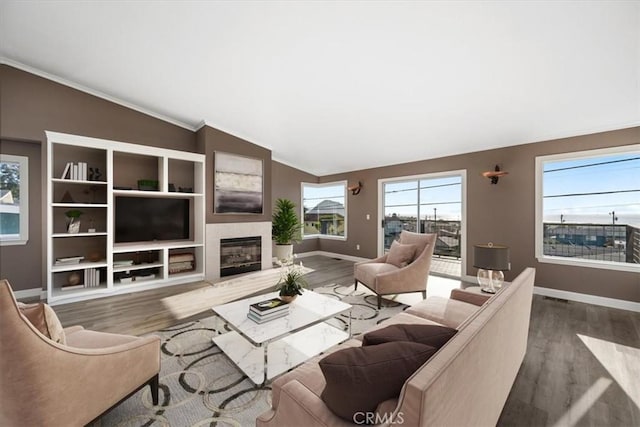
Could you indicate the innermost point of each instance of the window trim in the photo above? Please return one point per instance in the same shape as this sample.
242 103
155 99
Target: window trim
344 185
23 238
539 205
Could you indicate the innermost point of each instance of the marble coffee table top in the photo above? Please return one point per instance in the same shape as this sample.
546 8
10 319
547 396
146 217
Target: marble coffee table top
306 310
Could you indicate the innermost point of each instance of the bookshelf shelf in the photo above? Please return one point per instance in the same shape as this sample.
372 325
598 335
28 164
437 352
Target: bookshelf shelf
120 165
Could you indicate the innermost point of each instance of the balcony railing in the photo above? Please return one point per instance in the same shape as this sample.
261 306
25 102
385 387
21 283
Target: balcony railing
447 245
603 242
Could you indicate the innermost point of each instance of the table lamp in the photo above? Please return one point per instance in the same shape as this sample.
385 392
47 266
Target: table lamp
491 260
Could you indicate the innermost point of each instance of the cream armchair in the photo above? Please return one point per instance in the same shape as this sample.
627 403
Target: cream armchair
46 383
385 278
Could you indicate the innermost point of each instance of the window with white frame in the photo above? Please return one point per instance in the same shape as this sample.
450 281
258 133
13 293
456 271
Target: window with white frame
588 208
14 200
325 210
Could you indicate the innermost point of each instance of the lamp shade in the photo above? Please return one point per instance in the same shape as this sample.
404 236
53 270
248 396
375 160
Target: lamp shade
491 257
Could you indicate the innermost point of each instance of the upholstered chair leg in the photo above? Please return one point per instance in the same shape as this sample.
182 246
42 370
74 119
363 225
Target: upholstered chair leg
355 285
424 294
379 302
154 383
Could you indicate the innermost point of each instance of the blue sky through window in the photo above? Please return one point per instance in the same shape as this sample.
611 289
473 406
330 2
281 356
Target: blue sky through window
589 190
312 195
442 194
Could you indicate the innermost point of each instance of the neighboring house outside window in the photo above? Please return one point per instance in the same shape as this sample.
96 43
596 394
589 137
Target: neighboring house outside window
14 200
325 210
588 208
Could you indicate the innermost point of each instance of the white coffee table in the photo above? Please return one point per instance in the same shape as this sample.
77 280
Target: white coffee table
265 350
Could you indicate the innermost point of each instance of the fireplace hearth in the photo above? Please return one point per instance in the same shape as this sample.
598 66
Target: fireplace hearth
240 255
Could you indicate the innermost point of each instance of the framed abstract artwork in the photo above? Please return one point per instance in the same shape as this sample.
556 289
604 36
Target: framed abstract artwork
238 184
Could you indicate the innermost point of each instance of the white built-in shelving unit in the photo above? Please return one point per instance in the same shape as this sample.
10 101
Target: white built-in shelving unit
122 267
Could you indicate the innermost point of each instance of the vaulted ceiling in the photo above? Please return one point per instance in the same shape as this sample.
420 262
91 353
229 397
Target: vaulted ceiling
333 86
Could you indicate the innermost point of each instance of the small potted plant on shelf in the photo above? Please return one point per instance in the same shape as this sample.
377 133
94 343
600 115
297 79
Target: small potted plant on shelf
291 283
73 221
285 228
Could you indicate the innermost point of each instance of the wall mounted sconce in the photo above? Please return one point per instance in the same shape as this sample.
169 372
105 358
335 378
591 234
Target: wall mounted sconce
355 189
495 174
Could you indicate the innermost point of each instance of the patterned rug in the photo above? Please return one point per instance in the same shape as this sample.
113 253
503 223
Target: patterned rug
199 386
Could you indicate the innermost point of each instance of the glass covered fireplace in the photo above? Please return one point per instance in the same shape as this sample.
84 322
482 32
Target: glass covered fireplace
240 255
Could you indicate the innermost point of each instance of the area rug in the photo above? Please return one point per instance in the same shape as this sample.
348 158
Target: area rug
199 386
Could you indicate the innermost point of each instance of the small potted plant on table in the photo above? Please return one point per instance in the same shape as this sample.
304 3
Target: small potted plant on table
291 283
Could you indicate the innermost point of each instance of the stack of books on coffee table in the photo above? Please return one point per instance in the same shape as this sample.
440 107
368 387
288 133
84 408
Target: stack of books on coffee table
270 309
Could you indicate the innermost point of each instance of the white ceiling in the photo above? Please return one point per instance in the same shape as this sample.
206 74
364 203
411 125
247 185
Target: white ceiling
339 86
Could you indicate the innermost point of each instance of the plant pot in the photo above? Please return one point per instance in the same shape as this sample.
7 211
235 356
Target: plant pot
283 252
288 298
73 226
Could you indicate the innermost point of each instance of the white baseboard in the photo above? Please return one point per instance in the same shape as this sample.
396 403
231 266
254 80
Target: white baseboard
30 293
332 255
578 297
588 299
538 290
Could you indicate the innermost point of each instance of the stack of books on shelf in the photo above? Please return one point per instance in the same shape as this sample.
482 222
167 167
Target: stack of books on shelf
91 277
75 171
179 263
264 311
69 260
91 280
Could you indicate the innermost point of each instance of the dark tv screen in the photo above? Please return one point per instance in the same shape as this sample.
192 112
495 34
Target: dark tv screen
141 219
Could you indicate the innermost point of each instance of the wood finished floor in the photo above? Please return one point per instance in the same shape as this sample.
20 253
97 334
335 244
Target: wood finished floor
144 312
582 365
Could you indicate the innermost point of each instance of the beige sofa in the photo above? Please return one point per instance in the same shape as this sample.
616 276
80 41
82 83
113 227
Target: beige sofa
466 383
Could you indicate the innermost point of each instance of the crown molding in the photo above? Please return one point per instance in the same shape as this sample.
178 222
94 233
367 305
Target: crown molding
32 70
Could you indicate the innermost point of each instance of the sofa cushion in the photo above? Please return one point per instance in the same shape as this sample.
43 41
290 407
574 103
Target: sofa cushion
359 378
401 318
44 319
448 312
367 272
401 255
433 335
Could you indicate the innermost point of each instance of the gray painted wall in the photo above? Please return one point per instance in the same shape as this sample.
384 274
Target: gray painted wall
502 213
30 104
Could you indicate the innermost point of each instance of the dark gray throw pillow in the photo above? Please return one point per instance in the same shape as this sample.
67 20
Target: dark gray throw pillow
433 335
359 378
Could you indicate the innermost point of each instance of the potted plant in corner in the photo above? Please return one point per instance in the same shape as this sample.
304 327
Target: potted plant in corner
285 229
73 221
291 283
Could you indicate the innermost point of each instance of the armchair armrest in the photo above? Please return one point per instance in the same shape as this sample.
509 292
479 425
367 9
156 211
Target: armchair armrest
382 258
91 343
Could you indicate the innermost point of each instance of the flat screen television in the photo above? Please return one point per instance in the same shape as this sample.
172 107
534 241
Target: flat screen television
142 219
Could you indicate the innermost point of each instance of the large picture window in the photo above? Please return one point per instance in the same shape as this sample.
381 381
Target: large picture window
14 200
588 208
325 210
